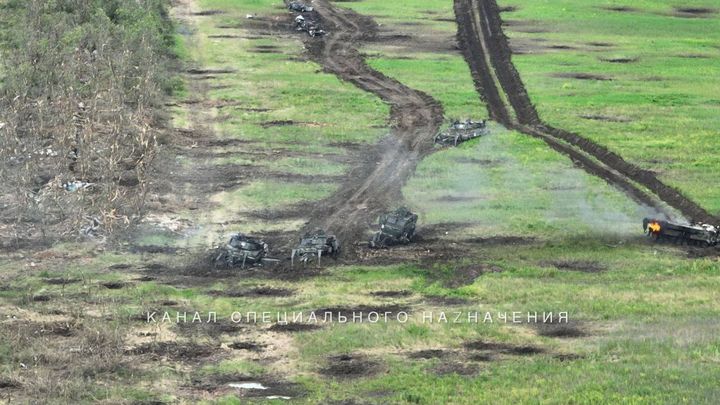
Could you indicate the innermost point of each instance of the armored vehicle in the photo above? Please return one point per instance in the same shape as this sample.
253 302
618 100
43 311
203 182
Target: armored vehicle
243 250
697 234
308 25
396 228
314 245
461 131
299 7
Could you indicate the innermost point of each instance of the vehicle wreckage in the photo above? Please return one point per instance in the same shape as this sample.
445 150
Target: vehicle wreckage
461 131
299 7
309 25
396 228
243 250
697 234
314 245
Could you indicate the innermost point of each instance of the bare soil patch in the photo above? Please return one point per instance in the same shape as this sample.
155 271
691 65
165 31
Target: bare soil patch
605 118
561 330
207 13
294 327
61 281
249 346
263 291
620 60
391 311
210 71
620 9
429 354
173 351
577 265
220 384
391 294
581 76
694 12
442 301
349 366
114 285
503 348
458 368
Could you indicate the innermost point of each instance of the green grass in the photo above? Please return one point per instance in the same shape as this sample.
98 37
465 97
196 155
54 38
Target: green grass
649 313
669 101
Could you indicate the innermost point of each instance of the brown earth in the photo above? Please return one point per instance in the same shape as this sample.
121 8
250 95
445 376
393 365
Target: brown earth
375 185
487 52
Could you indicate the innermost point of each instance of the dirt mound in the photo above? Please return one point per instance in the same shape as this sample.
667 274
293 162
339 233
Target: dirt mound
350 366
61 281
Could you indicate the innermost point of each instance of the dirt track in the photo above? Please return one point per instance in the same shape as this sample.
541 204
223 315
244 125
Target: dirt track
415 117
487 52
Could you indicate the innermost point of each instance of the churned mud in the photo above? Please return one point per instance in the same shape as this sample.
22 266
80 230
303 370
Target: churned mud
488 54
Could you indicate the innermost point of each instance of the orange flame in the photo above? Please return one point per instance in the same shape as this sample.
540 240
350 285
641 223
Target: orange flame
654 227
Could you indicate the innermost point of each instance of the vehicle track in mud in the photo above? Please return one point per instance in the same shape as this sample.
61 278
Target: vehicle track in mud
488 54
415 117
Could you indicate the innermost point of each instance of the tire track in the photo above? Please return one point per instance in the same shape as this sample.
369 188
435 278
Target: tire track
487 52
415 117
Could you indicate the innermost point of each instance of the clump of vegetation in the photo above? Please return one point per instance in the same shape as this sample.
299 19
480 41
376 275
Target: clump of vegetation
80 87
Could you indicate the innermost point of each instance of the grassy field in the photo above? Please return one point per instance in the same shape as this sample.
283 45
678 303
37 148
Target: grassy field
656 100
520 229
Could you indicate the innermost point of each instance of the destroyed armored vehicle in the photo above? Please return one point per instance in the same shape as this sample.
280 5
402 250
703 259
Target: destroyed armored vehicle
314 245
299 7
308 25
243 250
461 131
396 228
698 234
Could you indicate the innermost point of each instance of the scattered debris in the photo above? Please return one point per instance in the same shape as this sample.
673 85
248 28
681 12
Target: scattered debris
299 7
76 185
308 25
461 131
396 228
315 245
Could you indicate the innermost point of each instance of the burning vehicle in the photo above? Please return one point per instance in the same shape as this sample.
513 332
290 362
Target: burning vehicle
461 131
309 25
243 250
697 234
396 228
314 245
299 7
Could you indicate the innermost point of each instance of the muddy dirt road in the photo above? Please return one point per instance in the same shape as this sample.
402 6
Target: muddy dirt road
376 184
487 52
